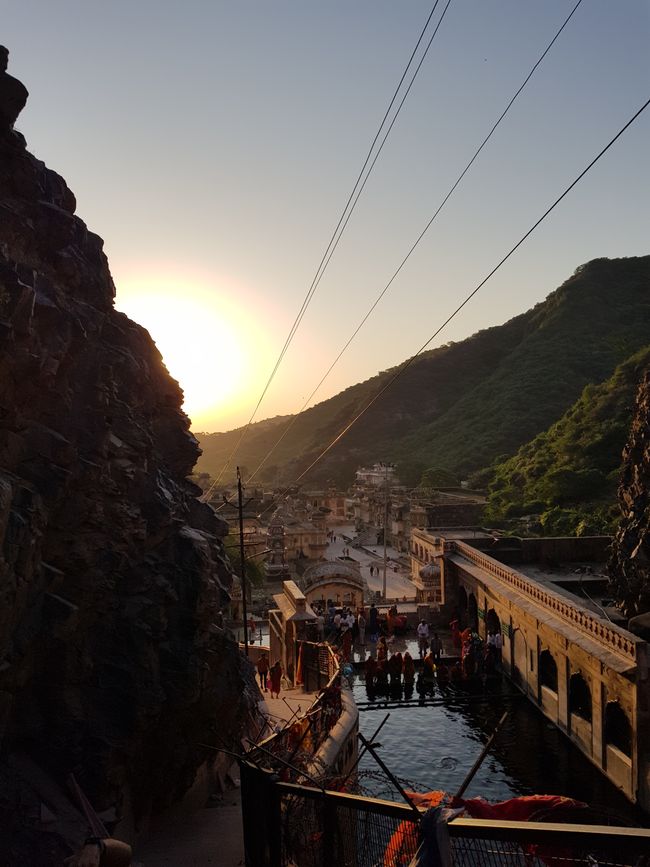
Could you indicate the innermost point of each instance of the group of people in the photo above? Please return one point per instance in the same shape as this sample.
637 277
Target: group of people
425 642
270 676
387 670
478 657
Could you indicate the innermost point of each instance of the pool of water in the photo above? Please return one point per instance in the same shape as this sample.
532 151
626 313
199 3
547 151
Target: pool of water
435 747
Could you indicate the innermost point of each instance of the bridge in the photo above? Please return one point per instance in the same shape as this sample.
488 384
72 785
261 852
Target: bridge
588 675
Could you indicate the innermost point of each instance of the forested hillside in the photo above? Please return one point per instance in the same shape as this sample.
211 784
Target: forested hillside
568 475
462 406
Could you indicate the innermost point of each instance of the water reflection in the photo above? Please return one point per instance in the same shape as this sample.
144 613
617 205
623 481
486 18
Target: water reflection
436 744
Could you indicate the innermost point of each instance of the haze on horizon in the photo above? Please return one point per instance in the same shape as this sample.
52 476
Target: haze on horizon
214 145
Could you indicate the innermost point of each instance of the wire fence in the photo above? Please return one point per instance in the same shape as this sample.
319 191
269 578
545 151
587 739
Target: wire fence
297 826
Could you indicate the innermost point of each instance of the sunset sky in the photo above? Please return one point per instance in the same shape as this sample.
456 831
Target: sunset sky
213 146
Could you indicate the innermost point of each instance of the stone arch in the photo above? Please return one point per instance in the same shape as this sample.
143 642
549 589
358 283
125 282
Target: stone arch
492 622
580 697
472 612
618 731
547 670
519 657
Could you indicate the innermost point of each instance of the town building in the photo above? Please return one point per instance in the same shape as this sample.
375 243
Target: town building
296 536
332 502
289 623
338 582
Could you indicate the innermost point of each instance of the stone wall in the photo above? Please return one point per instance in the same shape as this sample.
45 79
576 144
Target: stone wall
630 560
110 568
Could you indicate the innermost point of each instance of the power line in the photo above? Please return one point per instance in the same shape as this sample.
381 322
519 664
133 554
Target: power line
469 297
334 240
421 235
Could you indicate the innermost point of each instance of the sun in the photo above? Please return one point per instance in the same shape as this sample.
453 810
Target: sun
195 332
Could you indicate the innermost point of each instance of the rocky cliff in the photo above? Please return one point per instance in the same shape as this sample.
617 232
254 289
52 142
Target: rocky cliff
111 571
630 561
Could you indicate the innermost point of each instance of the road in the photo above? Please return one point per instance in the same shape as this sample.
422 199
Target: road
398 584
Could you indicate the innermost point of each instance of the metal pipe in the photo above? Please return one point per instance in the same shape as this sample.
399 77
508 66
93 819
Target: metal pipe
288 765
390 775
242 557
478 762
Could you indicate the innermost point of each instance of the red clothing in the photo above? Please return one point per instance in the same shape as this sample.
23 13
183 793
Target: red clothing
276 677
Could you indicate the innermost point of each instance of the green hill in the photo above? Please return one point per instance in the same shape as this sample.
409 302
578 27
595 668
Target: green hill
568 475
463 405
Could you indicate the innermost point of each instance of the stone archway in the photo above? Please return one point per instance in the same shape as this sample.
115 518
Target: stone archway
519 658
492 622
547 670
472 612
618 731
580 697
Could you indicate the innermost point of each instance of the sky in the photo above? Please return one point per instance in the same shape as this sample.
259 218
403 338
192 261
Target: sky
213 146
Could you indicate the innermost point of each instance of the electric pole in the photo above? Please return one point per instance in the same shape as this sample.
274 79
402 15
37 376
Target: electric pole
385 525
243 559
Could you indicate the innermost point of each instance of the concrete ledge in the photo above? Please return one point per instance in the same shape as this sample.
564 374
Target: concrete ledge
338 751
619 769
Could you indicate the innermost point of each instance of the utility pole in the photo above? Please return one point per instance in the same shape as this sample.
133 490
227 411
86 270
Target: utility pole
243 559
385 525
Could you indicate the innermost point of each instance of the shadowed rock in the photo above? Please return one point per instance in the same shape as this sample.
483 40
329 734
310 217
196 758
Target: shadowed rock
13 94
630 559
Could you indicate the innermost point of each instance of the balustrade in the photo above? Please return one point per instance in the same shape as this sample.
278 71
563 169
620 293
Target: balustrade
610 636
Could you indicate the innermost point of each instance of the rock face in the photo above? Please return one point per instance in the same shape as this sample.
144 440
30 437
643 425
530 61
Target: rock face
111 571
630 561
13 94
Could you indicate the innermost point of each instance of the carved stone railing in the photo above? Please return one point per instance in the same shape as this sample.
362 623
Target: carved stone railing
612 637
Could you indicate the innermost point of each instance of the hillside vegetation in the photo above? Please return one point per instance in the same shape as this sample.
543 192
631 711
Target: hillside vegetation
568 475
463 406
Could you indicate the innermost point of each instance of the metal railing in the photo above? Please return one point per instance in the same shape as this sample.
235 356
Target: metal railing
287 825
304 735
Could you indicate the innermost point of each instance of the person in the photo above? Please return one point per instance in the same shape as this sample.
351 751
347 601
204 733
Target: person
381 675
361 624
337 623
423 637
428 667
263 670
442 673
394 665
408 668
382 649
251 630
276 679
373 622
498 647
436 647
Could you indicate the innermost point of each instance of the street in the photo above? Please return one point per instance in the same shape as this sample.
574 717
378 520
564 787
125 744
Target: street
398 584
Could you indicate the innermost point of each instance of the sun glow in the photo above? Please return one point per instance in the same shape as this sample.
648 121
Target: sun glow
195 330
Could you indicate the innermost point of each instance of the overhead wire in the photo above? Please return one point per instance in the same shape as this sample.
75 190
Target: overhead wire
419 238
405 365
343 219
